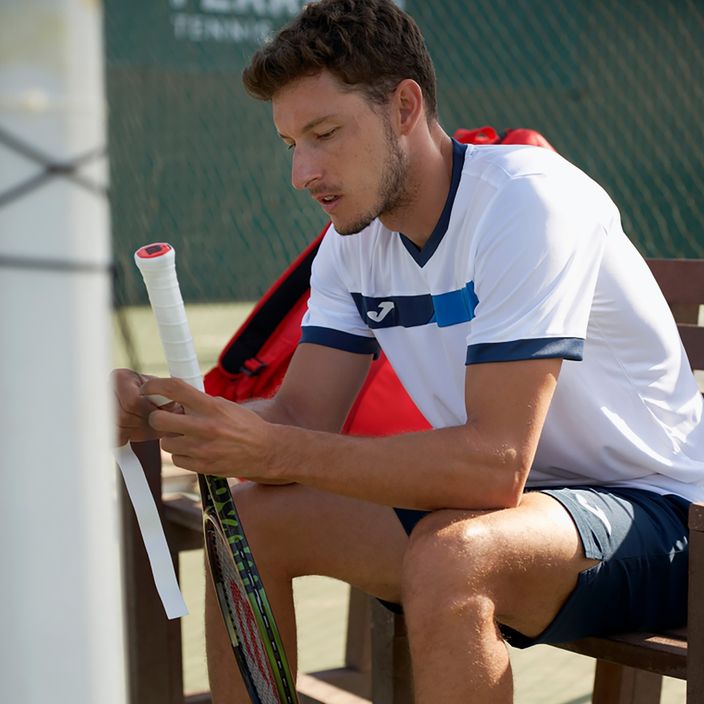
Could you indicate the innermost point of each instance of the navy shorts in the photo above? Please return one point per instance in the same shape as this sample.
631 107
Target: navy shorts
640 583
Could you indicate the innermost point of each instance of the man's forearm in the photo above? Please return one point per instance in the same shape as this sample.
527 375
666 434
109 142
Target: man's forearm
480 465
446 468
274 410
270 410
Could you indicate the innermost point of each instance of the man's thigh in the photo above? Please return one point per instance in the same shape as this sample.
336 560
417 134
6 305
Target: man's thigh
640 540
296 530
526 559
574 562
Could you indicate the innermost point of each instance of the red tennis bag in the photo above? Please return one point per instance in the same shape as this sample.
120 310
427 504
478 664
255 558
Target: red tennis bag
254 361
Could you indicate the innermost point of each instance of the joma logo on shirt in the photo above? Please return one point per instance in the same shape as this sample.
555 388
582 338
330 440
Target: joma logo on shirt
385 307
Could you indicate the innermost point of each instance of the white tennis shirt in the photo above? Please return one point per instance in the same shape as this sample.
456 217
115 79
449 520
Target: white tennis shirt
528 261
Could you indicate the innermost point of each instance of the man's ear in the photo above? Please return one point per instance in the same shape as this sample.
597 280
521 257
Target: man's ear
408 106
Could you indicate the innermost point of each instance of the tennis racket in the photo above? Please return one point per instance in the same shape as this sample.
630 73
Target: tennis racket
250 623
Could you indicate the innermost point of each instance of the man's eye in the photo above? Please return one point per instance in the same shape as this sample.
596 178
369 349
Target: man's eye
327 134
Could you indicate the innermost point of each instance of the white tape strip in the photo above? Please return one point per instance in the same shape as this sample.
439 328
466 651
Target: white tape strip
152 532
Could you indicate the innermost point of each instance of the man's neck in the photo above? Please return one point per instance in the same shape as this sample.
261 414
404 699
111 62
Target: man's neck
430 175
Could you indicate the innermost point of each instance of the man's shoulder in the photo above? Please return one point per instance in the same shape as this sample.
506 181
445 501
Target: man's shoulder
515 176
504 162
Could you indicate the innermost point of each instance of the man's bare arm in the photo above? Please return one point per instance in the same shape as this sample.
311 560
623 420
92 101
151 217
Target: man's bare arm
481 464
318 389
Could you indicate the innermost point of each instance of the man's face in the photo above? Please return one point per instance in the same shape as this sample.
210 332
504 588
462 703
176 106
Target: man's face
344 152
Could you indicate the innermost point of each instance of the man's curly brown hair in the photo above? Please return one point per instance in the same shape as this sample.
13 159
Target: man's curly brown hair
368 45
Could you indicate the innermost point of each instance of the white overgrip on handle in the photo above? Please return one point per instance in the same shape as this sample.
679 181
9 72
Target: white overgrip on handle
159 273
157 264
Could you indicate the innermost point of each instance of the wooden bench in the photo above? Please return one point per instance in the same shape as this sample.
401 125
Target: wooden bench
629 668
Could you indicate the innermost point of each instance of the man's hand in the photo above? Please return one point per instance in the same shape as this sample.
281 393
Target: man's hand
215 436
132 409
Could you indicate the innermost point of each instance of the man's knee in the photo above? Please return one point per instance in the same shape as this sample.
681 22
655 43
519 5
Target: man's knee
448 562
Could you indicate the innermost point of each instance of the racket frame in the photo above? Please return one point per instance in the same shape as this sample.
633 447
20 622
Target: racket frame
220 514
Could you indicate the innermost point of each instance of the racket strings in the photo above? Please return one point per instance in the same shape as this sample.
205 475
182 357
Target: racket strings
245 625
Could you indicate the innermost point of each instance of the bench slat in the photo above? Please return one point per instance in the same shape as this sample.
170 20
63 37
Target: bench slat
652 652
680 280
693 341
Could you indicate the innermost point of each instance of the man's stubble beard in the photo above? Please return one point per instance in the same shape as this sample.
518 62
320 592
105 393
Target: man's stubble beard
393 187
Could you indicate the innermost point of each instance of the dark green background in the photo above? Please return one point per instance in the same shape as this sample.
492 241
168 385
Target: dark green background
615 86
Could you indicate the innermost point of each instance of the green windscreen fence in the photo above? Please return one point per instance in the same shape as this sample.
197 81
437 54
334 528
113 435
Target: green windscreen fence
617 87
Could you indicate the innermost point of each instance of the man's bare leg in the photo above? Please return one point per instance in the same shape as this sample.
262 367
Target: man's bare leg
295 531
516 566
465 571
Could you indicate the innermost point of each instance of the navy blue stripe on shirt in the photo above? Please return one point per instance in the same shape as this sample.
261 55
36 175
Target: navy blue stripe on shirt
540 348
339 340
395 311
445 309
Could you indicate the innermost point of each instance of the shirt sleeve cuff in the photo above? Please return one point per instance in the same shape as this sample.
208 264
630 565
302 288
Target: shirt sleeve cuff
340 340
571 348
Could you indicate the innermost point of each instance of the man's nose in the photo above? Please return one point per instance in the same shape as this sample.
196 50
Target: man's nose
305 168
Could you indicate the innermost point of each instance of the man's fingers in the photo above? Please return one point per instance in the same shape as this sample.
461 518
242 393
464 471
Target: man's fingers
139 407
178 391
177 423
189 463
177 445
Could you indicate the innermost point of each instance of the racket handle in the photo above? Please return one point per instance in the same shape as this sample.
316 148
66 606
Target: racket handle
157 263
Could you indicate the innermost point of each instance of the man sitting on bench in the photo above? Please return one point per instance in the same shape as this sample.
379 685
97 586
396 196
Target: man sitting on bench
549 500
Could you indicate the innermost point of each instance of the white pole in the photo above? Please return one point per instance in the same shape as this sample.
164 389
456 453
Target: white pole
61 618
